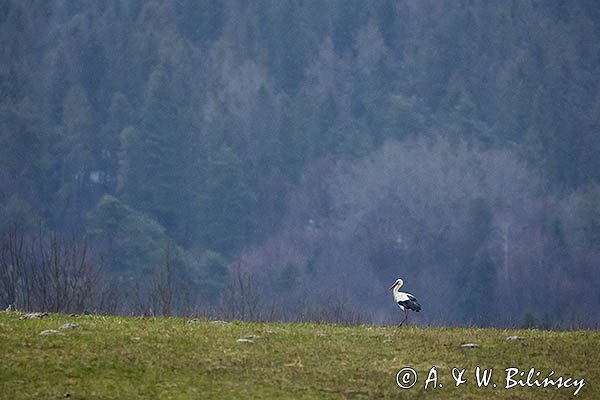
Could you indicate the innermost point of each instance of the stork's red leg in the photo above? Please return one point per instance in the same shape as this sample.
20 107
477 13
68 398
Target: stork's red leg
405 317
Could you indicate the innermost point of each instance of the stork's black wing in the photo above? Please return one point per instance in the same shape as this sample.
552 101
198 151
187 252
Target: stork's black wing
411 303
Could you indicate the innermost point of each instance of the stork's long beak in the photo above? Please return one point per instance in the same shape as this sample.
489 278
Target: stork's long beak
393 286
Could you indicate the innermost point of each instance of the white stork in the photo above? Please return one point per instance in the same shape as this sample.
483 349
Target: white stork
405 301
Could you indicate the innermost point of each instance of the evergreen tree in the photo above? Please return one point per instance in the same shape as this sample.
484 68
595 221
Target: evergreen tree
129 243
226 204
477 273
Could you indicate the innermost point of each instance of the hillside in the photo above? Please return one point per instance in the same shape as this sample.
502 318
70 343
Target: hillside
173 358
310 152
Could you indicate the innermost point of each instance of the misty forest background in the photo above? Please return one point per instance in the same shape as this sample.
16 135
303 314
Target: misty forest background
289 160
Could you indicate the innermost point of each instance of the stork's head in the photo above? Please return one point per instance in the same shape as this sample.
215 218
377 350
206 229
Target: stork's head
399 282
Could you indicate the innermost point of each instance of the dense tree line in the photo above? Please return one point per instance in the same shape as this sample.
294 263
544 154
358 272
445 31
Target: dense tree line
283 146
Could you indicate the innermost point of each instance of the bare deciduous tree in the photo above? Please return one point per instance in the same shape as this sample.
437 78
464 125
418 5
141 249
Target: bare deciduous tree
14 280
243 297
48 272
162 291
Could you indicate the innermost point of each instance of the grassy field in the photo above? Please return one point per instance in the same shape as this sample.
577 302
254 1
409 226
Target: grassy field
175 358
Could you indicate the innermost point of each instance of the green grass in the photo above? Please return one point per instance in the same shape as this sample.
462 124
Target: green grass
171 358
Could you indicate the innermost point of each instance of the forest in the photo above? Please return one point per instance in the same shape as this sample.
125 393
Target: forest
288 160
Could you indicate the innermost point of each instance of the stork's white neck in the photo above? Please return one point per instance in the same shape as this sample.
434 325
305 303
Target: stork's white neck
399 284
